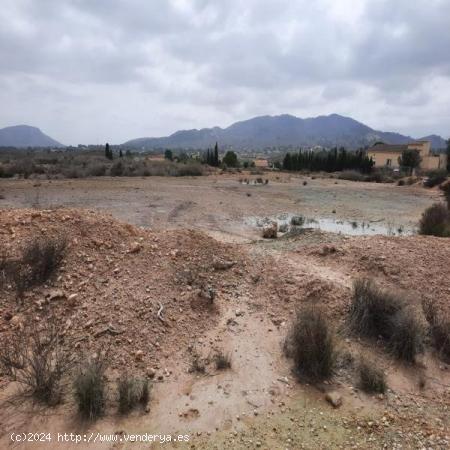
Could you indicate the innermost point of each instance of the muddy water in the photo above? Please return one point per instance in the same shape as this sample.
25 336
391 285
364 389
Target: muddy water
333 225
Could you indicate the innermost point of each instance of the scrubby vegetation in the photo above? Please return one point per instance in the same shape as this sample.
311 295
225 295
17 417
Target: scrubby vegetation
435 178
132 392
89 388
36 359
377 313
222 360
93 163
435 221
371 377
328 161
37 262
311 345
439 324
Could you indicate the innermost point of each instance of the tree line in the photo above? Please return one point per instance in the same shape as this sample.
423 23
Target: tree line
334 160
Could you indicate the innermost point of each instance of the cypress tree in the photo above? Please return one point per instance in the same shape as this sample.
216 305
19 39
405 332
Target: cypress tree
216 155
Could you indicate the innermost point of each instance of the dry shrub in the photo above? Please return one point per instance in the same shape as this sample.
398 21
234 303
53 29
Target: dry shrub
222 360
371 377
435 221
132 392
89 388
376 313
35 358
198 364
439 329
37 262
310 344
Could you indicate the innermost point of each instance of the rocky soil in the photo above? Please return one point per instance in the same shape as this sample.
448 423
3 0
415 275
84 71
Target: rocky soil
154 299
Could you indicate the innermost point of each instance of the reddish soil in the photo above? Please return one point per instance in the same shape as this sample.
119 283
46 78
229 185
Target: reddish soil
122 275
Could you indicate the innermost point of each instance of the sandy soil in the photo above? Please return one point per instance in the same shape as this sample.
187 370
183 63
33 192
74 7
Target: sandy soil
122 274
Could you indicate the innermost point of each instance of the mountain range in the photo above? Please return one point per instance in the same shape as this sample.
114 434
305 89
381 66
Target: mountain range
254 134
283 130
25 136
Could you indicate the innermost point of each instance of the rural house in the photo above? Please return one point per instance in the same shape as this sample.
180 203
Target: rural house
386 155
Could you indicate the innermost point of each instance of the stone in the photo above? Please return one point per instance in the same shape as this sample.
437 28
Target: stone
270 231
334 399
139 355
56 294
135 247
223 265
72 299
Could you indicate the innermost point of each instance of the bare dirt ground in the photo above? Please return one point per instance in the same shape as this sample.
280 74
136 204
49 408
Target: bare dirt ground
219 204
122 274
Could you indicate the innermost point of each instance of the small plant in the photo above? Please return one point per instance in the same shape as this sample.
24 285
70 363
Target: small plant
297 221
435 221
372 308
445 188
35 358
376 313
439 330
38 261
198 364
132 391
311 345
89 388
371 377
222 360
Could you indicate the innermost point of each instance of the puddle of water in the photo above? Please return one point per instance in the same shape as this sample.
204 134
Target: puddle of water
347 227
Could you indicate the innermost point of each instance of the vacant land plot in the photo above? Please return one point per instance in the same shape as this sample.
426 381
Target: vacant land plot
221 204
165 277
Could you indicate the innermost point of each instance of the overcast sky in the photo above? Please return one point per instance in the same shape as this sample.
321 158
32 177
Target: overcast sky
88 71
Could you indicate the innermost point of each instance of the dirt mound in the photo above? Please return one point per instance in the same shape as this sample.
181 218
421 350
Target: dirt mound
141 293
418 264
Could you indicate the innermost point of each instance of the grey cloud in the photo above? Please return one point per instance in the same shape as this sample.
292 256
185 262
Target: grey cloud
115 69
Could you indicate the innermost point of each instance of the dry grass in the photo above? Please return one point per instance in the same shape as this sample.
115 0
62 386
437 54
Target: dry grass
89 388
132 392
311 345
222 360
371 377
377 313
439 324
37 262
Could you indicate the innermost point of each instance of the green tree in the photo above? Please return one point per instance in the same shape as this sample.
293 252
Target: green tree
108 152
168 155
230 159
410 159
216 156
120 153
448 156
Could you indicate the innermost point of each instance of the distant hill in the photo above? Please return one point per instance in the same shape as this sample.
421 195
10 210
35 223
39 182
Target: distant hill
436 141
273 131
25 136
